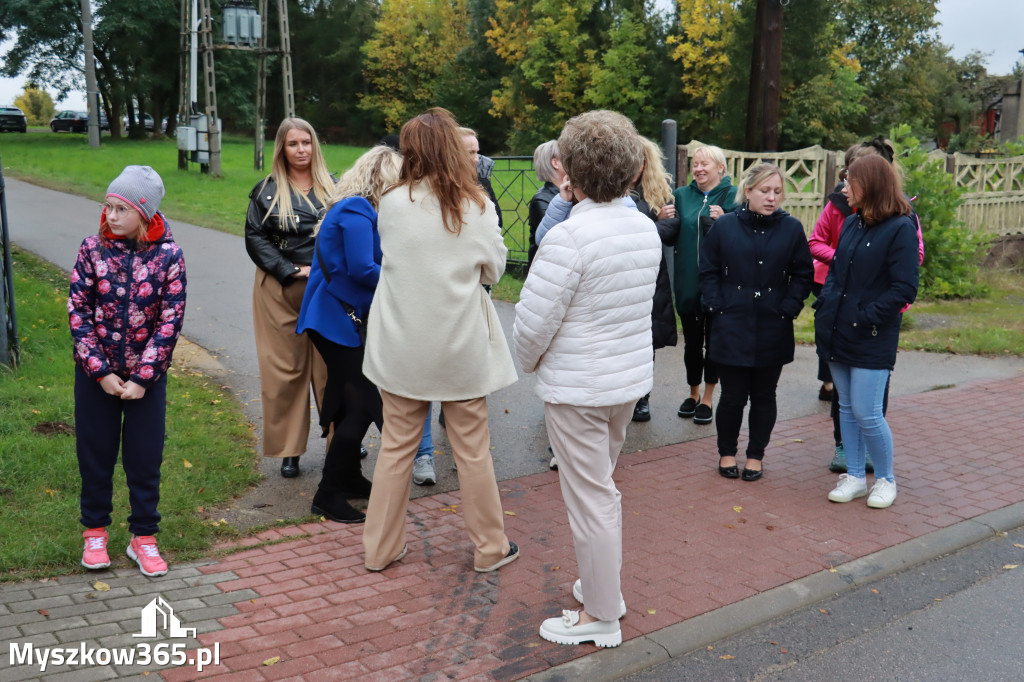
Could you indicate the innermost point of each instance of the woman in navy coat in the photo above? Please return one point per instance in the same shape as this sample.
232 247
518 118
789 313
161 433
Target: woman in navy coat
873 276
755 272
343 277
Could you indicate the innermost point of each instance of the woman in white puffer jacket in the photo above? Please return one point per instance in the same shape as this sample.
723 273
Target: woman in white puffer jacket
583 323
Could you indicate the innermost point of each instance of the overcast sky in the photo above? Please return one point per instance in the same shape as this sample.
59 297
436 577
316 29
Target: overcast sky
995 27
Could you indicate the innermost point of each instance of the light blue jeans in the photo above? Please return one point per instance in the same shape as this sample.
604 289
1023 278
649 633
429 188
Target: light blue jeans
426 448
861 420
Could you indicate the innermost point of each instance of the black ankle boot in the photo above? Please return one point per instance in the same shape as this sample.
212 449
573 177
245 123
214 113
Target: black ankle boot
357 487
336 508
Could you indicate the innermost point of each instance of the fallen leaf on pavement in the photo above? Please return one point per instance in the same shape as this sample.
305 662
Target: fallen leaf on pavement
727 657
101 586
272 661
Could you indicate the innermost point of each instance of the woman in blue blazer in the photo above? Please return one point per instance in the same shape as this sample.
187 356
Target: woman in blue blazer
873 277
343 277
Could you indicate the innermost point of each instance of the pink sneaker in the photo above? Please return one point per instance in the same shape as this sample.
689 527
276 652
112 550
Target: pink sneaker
94 555
142 550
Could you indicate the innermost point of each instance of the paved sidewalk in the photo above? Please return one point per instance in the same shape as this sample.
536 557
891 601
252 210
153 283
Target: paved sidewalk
704 557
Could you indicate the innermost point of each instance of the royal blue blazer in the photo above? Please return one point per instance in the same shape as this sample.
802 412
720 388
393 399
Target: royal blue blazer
350 250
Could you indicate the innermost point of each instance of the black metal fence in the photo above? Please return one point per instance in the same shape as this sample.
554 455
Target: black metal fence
514 183
8 318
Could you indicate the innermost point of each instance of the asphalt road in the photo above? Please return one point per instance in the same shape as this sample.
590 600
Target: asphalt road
955 618
218 320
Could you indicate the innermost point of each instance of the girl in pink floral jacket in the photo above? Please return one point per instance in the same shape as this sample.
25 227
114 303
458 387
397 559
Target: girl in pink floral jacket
125 309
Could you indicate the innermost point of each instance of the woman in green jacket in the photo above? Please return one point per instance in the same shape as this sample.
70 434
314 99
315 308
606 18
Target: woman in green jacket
698 205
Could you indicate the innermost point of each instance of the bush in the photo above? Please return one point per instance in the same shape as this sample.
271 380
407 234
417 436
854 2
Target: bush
952 253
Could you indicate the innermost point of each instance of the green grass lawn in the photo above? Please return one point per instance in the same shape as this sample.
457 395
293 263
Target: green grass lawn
209 455
993 325
66 162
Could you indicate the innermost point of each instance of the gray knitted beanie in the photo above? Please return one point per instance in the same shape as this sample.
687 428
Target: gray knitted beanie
139 186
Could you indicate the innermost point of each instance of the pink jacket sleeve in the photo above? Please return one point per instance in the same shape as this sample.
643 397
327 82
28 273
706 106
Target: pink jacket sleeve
823 240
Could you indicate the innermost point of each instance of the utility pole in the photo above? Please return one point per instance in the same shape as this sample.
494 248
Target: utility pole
211 89
91 89
261 89
765 77
286 59
184 105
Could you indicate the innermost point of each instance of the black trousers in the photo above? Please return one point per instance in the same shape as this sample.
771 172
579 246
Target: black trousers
103 425
824 373
696 342
740 384
351 403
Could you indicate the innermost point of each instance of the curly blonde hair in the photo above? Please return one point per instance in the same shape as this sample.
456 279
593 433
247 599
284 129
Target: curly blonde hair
370 176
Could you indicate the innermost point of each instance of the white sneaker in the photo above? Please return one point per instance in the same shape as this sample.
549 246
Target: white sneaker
567 630
577 592
883 494
849 488
423 471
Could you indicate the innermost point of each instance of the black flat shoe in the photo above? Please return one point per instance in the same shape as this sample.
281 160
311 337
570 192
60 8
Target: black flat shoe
687 409
728 472
362 452
642 411
751 474
290 467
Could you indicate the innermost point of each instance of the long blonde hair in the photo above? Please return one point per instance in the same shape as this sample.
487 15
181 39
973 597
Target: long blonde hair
323 183
655 182
369 177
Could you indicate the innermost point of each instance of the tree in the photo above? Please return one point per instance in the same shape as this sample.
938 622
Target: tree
37 105
413 41
704 32
550 58
620 80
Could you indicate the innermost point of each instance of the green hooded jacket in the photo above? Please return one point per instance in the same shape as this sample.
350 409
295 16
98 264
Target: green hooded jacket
691 204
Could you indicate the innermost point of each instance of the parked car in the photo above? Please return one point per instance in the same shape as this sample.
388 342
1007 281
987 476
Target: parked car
104 123
147 122
72 121
12 118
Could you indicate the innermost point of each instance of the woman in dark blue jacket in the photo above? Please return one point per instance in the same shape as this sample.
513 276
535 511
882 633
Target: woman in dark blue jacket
343 277
755 272
873 276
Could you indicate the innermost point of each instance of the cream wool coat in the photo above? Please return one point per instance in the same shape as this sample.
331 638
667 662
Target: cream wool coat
433 333
583 321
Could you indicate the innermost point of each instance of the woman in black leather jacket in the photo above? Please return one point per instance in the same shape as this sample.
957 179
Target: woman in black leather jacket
549 171
284 210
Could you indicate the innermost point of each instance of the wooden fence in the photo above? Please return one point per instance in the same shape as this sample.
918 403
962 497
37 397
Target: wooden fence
994 201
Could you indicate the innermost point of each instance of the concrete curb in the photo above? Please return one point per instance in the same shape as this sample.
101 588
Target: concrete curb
680 639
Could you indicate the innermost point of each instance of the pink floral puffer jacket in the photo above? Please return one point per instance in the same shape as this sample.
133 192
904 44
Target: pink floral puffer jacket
127 304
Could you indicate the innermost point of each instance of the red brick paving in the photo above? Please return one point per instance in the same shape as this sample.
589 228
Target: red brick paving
693 542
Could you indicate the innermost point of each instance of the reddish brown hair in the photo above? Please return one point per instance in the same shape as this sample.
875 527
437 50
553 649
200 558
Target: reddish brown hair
880 192
432 152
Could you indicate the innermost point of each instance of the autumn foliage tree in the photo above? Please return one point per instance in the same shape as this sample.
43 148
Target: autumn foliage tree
36 104
414 40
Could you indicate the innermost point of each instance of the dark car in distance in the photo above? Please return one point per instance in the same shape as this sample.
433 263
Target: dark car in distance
73 121
12 118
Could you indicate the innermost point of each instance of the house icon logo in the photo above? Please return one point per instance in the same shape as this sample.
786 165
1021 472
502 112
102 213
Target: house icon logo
159 614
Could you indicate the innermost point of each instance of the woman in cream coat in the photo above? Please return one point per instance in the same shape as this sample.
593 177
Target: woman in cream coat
433 334
583 323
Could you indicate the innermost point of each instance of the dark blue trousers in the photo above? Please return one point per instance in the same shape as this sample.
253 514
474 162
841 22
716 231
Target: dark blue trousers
104 424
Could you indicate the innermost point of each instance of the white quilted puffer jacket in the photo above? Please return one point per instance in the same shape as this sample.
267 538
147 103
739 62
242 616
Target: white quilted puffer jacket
583 321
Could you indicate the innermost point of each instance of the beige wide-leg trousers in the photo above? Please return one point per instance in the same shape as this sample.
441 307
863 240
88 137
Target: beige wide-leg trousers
470 437
288 365
587 442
